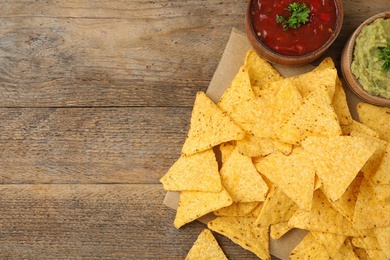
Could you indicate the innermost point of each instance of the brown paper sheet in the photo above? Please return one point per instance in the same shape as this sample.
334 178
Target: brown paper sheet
232 59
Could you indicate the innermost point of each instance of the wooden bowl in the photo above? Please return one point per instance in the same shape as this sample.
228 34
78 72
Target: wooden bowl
290 60
346 60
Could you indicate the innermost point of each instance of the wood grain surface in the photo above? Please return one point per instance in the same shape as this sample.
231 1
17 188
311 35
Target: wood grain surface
95 99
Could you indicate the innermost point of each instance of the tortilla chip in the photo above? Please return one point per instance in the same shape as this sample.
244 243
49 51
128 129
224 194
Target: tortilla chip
226 149
260 71
340 104
315 117
237 209
277 207
239 101
322 217
382 192
205 247
194 204
358 129
241 179
242 231
331 242
209 127
253 146
309 248
376 254
346 252
382 173
279 229
256 211
375 117
294 174
285 102
369 211
335 164
383 237
198 172
366 242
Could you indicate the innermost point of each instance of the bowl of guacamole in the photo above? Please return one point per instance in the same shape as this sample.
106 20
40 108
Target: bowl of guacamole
365 61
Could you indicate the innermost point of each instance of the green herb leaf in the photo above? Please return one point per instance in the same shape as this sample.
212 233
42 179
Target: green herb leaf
299 15
384 55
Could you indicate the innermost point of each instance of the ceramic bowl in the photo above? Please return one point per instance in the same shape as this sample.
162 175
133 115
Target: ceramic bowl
290 60
346 60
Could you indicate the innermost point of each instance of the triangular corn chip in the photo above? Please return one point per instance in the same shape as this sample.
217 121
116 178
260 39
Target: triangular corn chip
195 204
322 217
340 104
237 209
241 179
383 236
242 231
338 159
366 242
376 118
209 127
206 247
279 229
253 146
346 252
294 174
331 242
309 248
382 173
197 172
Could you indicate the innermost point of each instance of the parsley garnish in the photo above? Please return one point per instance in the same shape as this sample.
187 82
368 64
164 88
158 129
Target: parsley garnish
299 15
384 55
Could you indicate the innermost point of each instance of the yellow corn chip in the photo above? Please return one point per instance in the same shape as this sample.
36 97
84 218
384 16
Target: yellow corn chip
205 247
315 117
256 211
382 173
260 71
331 242
241 179
240 102
194 204
309 248
377 118
366 242
285 102
358 129
361 253
279 229
382 192
383 237
209 127
277 207
335 164
322 217
253 146
294 174
346 252
242 231
197 172
237 209
340 104
369 211
376 254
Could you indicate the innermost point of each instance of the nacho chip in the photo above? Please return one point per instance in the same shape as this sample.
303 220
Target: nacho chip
366 242
239 101
194 204
323 218
260 71
377 118
237 209
315 117
242 231
277 207
376 254
358 129
198 172
369 211
383 237
340 104
331 242
382 173
226 149
241 179
335 164
346 252
309 248
294 174
279 229
209 127
286 101
205 247
253 146
382 192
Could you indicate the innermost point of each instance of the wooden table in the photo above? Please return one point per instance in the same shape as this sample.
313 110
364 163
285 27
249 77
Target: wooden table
95 101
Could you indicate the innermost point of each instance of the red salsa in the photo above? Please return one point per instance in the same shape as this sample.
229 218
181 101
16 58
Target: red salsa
302 40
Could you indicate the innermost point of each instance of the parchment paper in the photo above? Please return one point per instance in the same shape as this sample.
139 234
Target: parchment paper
232 59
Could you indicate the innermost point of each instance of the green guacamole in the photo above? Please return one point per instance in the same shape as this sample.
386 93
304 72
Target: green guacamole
366 65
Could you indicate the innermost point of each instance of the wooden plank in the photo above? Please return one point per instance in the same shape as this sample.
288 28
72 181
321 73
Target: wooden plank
90 145
94 222
125 59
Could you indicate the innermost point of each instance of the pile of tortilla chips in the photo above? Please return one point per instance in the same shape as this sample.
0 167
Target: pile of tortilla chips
280 153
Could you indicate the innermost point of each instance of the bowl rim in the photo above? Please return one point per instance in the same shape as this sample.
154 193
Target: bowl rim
273 56
346 61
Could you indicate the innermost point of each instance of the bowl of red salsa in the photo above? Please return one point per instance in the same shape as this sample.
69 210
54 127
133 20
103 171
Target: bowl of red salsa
293 33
